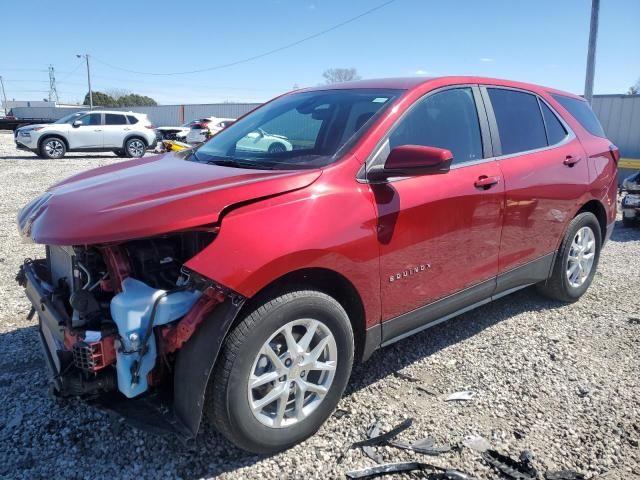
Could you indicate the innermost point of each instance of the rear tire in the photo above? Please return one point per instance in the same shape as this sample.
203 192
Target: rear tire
53 148
256 347
135 147
571 277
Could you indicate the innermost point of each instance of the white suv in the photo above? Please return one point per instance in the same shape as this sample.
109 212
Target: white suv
127 134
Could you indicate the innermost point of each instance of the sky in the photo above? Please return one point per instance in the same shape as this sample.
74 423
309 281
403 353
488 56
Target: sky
538 41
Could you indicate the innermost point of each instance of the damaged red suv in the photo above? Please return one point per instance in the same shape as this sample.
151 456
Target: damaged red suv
241 281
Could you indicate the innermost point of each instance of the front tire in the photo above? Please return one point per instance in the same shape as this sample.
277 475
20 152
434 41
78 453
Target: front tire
282 371
53 148
135 147
576 261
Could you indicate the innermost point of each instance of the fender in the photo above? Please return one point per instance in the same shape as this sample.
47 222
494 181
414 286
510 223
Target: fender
321 226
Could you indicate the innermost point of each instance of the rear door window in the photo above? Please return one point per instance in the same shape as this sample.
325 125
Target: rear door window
447 119
114 119
519 120
582 112
555 130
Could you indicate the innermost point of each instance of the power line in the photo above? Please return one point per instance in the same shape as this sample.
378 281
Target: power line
254 57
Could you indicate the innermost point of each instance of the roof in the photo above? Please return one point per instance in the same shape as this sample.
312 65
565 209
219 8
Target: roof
111 111
409 83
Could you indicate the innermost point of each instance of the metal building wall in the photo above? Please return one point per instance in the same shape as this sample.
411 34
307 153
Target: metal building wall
51 113
161 115
620 118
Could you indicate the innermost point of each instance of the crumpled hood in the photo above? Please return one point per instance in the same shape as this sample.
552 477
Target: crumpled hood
146 197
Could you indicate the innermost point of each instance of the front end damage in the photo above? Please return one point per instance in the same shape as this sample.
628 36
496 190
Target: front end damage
114 320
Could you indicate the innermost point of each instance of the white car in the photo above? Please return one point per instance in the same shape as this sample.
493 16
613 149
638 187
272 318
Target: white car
200 129
127 134
261 141
176 133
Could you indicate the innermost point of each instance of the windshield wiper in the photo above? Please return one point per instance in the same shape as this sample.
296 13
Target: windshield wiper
228 162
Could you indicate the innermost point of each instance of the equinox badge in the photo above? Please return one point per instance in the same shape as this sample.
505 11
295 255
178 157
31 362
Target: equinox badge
410 272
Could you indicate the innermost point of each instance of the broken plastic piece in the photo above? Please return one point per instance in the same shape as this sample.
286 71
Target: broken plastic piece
369 451
518 470
477 443
449 475
425 446
387 468
564 475
460 396
385 437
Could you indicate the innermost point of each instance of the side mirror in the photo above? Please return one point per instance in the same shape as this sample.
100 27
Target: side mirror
412 160
77 123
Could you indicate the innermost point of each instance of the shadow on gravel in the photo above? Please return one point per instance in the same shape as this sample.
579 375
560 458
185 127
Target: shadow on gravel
76 428
625 234
388 360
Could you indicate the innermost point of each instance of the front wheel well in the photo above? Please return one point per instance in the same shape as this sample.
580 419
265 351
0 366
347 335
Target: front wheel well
596 207
323 280
53 135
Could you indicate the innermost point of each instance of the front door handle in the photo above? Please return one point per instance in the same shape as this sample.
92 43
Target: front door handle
570 161
485 183
97 130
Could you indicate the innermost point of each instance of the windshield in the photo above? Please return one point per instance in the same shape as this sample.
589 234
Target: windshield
70 118
300 130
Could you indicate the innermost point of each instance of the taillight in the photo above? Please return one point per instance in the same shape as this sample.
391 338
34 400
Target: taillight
615 153
150 126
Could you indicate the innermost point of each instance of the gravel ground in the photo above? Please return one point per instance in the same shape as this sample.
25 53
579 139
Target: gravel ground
560 380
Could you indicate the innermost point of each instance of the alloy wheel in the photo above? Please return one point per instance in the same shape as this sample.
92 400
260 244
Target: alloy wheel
581 257
136 148
54 148
292 373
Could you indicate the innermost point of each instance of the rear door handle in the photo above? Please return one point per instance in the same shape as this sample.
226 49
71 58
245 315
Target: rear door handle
570 161
97 130
485 183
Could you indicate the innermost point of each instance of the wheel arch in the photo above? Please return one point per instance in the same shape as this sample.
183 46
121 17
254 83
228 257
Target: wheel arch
53 135
597 208
323 280
134 135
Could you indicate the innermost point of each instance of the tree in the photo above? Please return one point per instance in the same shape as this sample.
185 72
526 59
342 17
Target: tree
127 100
101 99
337 75
634 89
118 93
135 100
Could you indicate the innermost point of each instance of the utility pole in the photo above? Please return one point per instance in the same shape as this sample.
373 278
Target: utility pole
591 55
53 93
86 57
4 96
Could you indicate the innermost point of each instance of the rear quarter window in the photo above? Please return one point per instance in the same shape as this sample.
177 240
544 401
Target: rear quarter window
132 120
581 111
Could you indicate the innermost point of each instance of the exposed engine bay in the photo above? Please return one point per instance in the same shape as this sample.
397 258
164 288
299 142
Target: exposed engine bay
118 313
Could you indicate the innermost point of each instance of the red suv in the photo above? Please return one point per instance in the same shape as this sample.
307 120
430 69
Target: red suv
243 283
